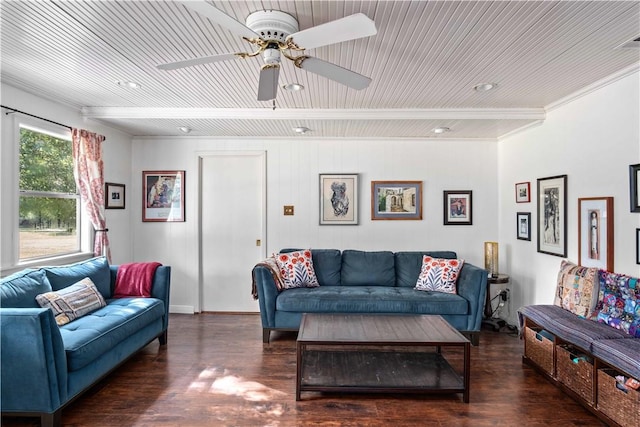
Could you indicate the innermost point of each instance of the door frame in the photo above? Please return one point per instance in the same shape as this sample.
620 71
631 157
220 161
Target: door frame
262 155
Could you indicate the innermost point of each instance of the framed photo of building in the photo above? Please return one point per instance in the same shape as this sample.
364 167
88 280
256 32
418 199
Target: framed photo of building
523 192
339 199
396 200
458 208
595 232
523 224
114 196
552 215
163 196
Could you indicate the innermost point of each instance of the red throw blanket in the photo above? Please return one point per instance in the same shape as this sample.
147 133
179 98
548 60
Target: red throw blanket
135 279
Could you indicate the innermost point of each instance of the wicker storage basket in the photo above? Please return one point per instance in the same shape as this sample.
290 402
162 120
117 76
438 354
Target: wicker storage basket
574 371
623 408
539 349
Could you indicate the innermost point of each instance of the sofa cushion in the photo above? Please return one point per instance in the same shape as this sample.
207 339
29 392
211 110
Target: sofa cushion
97 269
20 289
91 336
370 299
439 274
296 269
409 263
364 268
72 302
622 354
577 288
619 302
569 327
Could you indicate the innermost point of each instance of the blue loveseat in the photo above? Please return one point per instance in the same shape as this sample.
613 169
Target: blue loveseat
355 281
43 366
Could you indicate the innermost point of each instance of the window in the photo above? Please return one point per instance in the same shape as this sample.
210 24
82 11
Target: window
49 206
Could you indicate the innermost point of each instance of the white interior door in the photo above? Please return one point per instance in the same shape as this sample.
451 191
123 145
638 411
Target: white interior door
232 212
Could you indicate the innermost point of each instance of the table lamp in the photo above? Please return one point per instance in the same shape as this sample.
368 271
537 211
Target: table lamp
491 258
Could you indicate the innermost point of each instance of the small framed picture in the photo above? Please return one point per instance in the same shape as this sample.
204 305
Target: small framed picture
396 200
637 245
339 199
523 192
163 196
114 196
634 190
552 215
523 223
595 232
458 209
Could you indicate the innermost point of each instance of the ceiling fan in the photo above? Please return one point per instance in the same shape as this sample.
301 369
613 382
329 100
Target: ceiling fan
275 34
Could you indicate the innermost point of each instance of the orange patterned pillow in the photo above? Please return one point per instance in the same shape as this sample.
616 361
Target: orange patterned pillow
296 269
439 274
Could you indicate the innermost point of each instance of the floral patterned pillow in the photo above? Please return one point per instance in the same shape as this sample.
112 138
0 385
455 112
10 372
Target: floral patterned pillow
296 269
439 274
619 304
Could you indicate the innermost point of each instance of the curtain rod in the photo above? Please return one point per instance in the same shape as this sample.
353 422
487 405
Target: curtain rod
13 110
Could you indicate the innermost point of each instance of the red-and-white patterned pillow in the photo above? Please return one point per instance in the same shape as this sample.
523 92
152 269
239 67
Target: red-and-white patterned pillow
439 274
296 269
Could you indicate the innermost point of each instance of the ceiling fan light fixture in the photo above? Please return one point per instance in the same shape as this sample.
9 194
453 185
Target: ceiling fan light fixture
441 129
184 129
128 84
302 130
485 87
293 87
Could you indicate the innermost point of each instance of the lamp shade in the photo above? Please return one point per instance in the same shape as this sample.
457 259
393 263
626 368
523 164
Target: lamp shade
491 258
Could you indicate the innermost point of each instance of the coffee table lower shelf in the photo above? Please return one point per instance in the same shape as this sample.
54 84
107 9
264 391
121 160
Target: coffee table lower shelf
377 371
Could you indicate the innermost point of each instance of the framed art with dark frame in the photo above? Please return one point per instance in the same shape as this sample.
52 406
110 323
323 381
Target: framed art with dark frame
523 192
637 245
552 215
163 196
595 232
634 190
339 199
396 200
114 196
523 224
457 207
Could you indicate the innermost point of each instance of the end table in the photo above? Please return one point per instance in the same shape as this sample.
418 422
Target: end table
488 311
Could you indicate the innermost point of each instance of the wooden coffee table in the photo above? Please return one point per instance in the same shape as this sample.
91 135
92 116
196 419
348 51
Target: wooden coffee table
379 353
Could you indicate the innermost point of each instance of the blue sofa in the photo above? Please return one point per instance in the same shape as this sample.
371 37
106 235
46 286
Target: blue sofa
355 281
43 366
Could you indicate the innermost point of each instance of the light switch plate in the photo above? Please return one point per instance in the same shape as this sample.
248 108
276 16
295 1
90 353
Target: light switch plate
288 209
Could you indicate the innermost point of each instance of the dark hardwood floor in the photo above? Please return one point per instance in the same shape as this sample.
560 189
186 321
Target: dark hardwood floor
215 371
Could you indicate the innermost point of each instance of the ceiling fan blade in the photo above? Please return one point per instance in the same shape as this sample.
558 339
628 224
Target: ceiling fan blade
348 28
198 61
268 86
335 72
220 18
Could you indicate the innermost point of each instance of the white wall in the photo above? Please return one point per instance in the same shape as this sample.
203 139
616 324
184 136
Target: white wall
117 155
592 140
293 166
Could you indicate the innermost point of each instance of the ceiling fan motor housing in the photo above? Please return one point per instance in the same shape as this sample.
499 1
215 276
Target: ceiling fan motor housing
272 24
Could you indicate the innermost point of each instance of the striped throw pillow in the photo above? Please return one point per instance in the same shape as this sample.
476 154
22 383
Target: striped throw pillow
72 302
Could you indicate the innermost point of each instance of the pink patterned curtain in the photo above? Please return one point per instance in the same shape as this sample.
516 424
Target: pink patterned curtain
88 170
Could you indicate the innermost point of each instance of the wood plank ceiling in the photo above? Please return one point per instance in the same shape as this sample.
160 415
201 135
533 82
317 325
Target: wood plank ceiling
424 62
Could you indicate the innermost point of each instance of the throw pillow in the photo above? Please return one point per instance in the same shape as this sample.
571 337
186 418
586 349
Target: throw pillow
619 303
439 274
577 289
72 302
296 269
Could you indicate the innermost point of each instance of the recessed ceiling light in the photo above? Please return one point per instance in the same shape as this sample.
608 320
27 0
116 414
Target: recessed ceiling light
293 87
184 129
441 129
128 84
302 130
484 87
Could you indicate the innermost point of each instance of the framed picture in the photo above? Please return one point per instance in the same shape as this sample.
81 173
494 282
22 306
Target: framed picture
552 215
523 192
339 199
637 245
595 232
163 196
634 196
396 200
458 209
523 224
114 196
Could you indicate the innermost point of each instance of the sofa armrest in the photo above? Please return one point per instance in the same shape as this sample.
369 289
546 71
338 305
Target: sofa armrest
267 294
472 285
33 363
